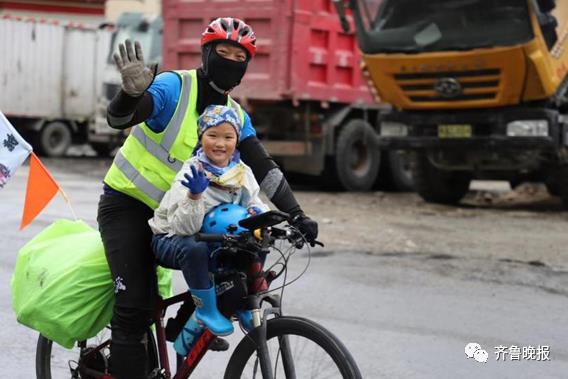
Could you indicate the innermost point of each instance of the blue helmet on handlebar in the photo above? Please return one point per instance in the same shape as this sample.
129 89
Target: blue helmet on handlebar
224 217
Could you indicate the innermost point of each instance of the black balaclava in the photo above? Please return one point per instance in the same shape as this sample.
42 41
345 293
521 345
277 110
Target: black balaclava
225 74
217 77
206 95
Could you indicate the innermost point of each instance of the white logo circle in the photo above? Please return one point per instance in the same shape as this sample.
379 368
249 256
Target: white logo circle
481 356
471 348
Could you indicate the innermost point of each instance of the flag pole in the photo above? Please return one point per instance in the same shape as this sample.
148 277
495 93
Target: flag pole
68 203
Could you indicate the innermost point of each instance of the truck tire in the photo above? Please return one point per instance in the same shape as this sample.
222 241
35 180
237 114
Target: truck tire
357 156
400 171
54 139
553 188
553 182
435 185
557 183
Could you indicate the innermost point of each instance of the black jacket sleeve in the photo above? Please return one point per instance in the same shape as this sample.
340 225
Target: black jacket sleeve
268 174
125 111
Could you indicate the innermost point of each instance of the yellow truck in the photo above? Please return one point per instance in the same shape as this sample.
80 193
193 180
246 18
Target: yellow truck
478 88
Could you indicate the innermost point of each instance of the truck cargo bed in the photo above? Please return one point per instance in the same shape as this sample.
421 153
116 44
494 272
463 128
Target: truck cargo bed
302 52
50 70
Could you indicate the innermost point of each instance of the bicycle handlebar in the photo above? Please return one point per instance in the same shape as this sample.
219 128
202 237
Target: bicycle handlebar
264 220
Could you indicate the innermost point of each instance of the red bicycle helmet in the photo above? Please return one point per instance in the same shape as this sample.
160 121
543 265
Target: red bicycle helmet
232 29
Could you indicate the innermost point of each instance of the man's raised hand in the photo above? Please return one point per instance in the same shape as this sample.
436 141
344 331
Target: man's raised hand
136 77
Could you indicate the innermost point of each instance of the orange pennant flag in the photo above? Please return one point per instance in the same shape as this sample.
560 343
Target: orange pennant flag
41 189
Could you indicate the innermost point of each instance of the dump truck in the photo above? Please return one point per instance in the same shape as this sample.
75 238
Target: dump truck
478 88
304 90
50 75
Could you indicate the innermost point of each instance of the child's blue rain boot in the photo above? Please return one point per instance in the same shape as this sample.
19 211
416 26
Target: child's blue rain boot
207 312
245 319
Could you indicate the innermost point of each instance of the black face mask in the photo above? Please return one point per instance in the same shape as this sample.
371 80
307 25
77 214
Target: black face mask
224 73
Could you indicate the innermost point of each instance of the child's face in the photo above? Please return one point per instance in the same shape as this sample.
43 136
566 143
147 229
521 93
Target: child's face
219 143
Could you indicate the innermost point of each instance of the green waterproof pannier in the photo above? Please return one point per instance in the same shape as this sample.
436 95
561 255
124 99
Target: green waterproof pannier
62 285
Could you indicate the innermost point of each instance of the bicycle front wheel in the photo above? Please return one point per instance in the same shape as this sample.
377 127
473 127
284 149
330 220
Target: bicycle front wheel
297 348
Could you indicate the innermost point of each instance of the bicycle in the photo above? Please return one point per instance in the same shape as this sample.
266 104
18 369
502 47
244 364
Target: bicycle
278 346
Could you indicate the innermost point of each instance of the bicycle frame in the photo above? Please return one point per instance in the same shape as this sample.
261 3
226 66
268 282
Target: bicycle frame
197 352
191 361
202 345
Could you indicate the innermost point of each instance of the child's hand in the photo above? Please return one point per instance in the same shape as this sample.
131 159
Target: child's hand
253 211
197 182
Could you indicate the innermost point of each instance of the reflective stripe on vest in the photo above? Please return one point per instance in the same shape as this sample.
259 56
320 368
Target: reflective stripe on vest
157 150
175 124
138 180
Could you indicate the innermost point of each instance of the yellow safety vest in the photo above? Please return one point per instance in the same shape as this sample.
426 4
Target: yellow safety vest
147 163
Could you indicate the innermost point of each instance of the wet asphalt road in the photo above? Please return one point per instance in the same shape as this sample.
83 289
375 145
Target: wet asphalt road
402 314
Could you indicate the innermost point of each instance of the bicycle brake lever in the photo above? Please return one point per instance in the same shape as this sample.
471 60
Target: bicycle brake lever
314 243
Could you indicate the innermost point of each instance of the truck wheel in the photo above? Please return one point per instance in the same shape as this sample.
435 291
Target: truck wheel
557 183
515 182
553 183
357 156
435 185
53 139
401 173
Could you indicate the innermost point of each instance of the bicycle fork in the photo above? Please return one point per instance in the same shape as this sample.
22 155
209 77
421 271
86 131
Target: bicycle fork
259 318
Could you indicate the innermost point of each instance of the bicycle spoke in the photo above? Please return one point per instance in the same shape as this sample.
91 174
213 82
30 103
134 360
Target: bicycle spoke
309 360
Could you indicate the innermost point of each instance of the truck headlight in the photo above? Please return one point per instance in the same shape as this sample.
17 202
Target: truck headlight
528 128
393 129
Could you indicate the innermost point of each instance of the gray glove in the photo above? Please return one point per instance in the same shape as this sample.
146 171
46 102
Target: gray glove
136 77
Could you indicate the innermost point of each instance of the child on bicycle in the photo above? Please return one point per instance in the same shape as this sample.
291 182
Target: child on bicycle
212 176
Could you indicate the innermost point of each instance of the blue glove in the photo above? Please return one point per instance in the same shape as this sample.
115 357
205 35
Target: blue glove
197 182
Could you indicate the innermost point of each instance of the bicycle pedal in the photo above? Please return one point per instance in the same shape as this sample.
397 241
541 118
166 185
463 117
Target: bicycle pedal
219 344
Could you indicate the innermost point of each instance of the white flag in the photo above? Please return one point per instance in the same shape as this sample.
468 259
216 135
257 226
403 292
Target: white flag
13 150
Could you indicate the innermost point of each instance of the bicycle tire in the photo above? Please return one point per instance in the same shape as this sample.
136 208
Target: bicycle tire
44 356
294 326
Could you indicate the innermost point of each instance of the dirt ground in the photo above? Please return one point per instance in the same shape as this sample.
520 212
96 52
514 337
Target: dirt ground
493 221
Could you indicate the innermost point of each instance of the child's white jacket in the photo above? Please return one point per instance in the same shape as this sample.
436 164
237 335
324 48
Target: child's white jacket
177 214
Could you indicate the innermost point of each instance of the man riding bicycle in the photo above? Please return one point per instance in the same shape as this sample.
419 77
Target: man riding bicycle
163 110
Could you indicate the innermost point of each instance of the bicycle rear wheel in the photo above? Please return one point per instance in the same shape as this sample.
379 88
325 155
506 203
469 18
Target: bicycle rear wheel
56 362
297 348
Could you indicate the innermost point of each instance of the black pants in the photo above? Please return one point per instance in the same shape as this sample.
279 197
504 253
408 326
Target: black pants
126 235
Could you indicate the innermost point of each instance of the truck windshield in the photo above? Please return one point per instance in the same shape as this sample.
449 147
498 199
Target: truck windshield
437 25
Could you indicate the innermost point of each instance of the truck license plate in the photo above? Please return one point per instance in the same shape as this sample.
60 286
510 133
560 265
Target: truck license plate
454 131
